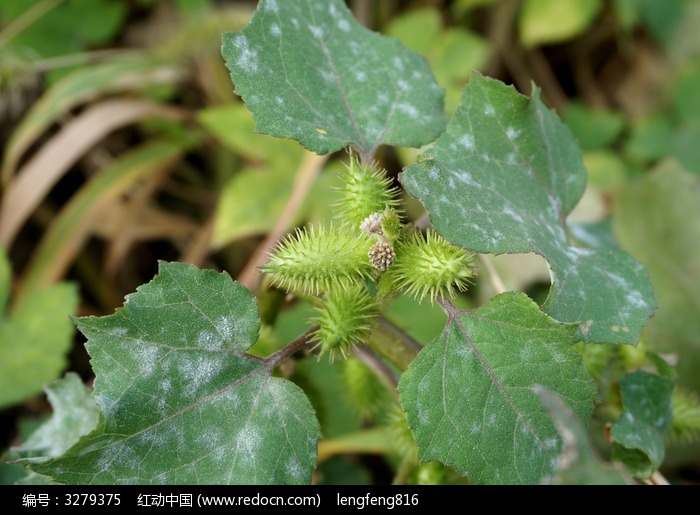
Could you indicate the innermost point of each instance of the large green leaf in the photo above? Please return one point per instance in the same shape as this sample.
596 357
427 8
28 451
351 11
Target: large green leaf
308 71
658 219
640 430
181 400
502 178
579 463
34 337
470 395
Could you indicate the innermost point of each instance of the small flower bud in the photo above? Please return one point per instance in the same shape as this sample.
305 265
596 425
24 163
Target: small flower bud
381 255
372 224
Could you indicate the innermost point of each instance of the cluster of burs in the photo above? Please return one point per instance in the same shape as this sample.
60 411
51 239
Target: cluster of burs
364 257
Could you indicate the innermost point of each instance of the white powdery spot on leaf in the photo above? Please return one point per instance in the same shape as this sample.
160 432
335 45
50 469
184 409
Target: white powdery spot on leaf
398 63
247 57
211 437
165 385
423 416
464 351
271 5
467 141
117 331
343 25
408 110
208 340
635 299
198 372
151 438
275 30
109 455
249 441
145 356
508 211
226 326
316 31
551 443
326 76
526 353
467 178
294 469
512 133
403 85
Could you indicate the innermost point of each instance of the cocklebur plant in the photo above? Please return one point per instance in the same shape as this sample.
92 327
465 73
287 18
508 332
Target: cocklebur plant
500 396
354 267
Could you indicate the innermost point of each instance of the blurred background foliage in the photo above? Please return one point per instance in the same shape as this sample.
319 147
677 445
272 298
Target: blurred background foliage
122 143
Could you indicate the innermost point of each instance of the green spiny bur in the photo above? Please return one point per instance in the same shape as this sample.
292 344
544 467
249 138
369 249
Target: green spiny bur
366 190
428 266
318 260
344 318
685 428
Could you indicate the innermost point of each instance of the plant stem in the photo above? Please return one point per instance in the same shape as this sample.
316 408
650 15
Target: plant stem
382 371
278 357
405 468
393 343
657 478
306 175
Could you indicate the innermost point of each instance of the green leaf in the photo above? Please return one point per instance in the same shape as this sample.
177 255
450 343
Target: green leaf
662 18
71 26
685 146
75 414
34 337
594 129
452 53
658 219
250 203
233 125
308 71
596 235
503 178
463 7
606 170
579 463
639 432
417 29
686 103
552 21
470 395
651 139
181 401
